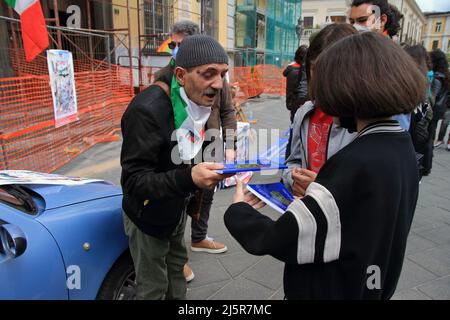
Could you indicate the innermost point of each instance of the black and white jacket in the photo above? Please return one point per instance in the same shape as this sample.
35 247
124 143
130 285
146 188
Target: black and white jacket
354 220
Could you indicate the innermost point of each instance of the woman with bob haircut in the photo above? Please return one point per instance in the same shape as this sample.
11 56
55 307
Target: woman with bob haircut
315 138
346 238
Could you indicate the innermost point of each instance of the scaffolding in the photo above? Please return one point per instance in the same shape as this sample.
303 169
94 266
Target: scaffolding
29 138
265 31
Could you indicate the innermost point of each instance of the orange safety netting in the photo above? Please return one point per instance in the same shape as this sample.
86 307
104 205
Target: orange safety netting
250 81
28 137
257 80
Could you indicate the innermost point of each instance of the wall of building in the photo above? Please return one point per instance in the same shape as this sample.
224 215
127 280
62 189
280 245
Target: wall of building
321 11
326 11
413 21
186 10
120 18
431 35
231 11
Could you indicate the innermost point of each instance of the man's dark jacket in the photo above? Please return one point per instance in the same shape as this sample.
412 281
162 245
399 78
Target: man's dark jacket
296 87
155 190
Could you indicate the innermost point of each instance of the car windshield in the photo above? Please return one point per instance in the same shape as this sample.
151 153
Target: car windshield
18 198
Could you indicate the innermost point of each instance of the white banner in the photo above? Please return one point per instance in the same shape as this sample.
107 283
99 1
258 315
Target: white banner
62 83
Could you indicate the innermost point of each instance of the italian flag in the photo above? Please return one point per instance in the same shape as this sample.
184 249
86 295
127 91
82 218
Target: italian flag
34 30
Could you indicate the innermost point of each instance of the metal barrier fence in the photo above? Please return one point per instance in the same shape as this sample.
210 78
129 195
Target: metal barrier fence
28 136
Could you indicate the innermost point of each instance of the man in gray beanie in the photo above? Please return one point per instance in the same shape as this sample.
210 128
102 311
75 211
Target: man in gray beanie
158 187
222 116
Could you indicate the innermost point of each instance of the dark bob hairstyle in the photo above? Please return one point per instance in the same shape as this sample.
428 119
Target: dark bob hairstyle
325 38
367 76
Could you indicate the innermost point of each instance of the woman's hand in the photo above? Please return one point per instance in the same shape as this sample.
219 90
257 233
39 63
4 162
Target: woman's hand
302 179
243 195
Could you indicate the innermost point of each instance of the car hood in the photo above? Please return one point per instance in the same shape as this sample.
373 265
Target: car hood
56 196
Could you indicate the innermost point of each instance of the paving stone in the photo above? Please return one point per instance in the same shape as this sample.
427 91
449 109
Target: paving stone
438 289
417 244
413 275
243 289
267 272
439 235
203 293
436 260
238 263
410 294
279 295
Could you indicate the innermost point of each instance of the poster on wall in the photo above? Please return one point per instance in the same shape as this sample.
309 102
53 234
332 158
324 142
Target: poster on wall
62 83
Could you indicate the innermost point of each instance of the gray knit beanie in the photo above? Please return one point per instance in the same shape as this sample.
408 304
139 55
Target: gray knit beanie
198 50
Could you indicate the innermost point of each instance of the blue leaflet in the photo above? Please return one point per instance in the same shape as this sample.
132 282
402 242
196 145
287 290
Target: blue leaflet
275 195
231 168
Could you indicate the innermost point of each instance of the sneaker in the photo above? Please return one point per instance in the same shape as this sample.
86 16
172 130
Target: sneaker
188 274
208 245
437 144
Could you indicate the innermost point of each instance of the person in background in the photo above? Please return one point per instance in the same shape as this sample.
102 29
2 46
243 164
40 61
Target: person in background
222 116
423 114
345 239
364 17
381 17
296 88
440 89
315 138
180 30
296 83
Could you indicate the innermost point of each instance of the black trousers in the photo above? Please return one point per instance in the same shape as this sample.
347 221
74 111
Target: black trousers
427 161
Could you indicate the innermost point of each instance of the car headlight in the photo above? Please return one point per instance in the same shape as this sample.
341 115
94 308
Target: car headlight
13 241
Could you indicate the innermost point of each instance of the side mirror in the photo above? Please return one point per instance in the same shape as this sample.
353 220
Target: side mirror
13 241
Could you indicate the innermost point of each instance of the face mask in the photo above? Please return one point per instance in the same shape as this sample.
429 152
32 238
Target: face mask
361 28
348 123
174 52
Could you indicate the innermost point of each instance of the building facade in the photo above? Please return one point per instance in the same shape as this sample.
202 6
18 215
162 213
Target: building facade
318 13
412 23
436 32
265 31
152 22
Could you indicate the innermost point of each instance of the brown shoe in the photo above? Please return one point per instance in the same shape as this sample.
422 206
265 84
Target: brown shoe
188 274
208 245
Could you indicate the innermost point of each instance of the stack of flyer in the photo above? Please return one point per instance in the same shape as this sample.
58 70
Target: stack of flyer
275 195
238 167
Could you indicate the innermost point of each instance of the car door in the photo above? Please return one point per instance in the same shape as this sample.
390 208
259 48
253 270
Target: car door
38 271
